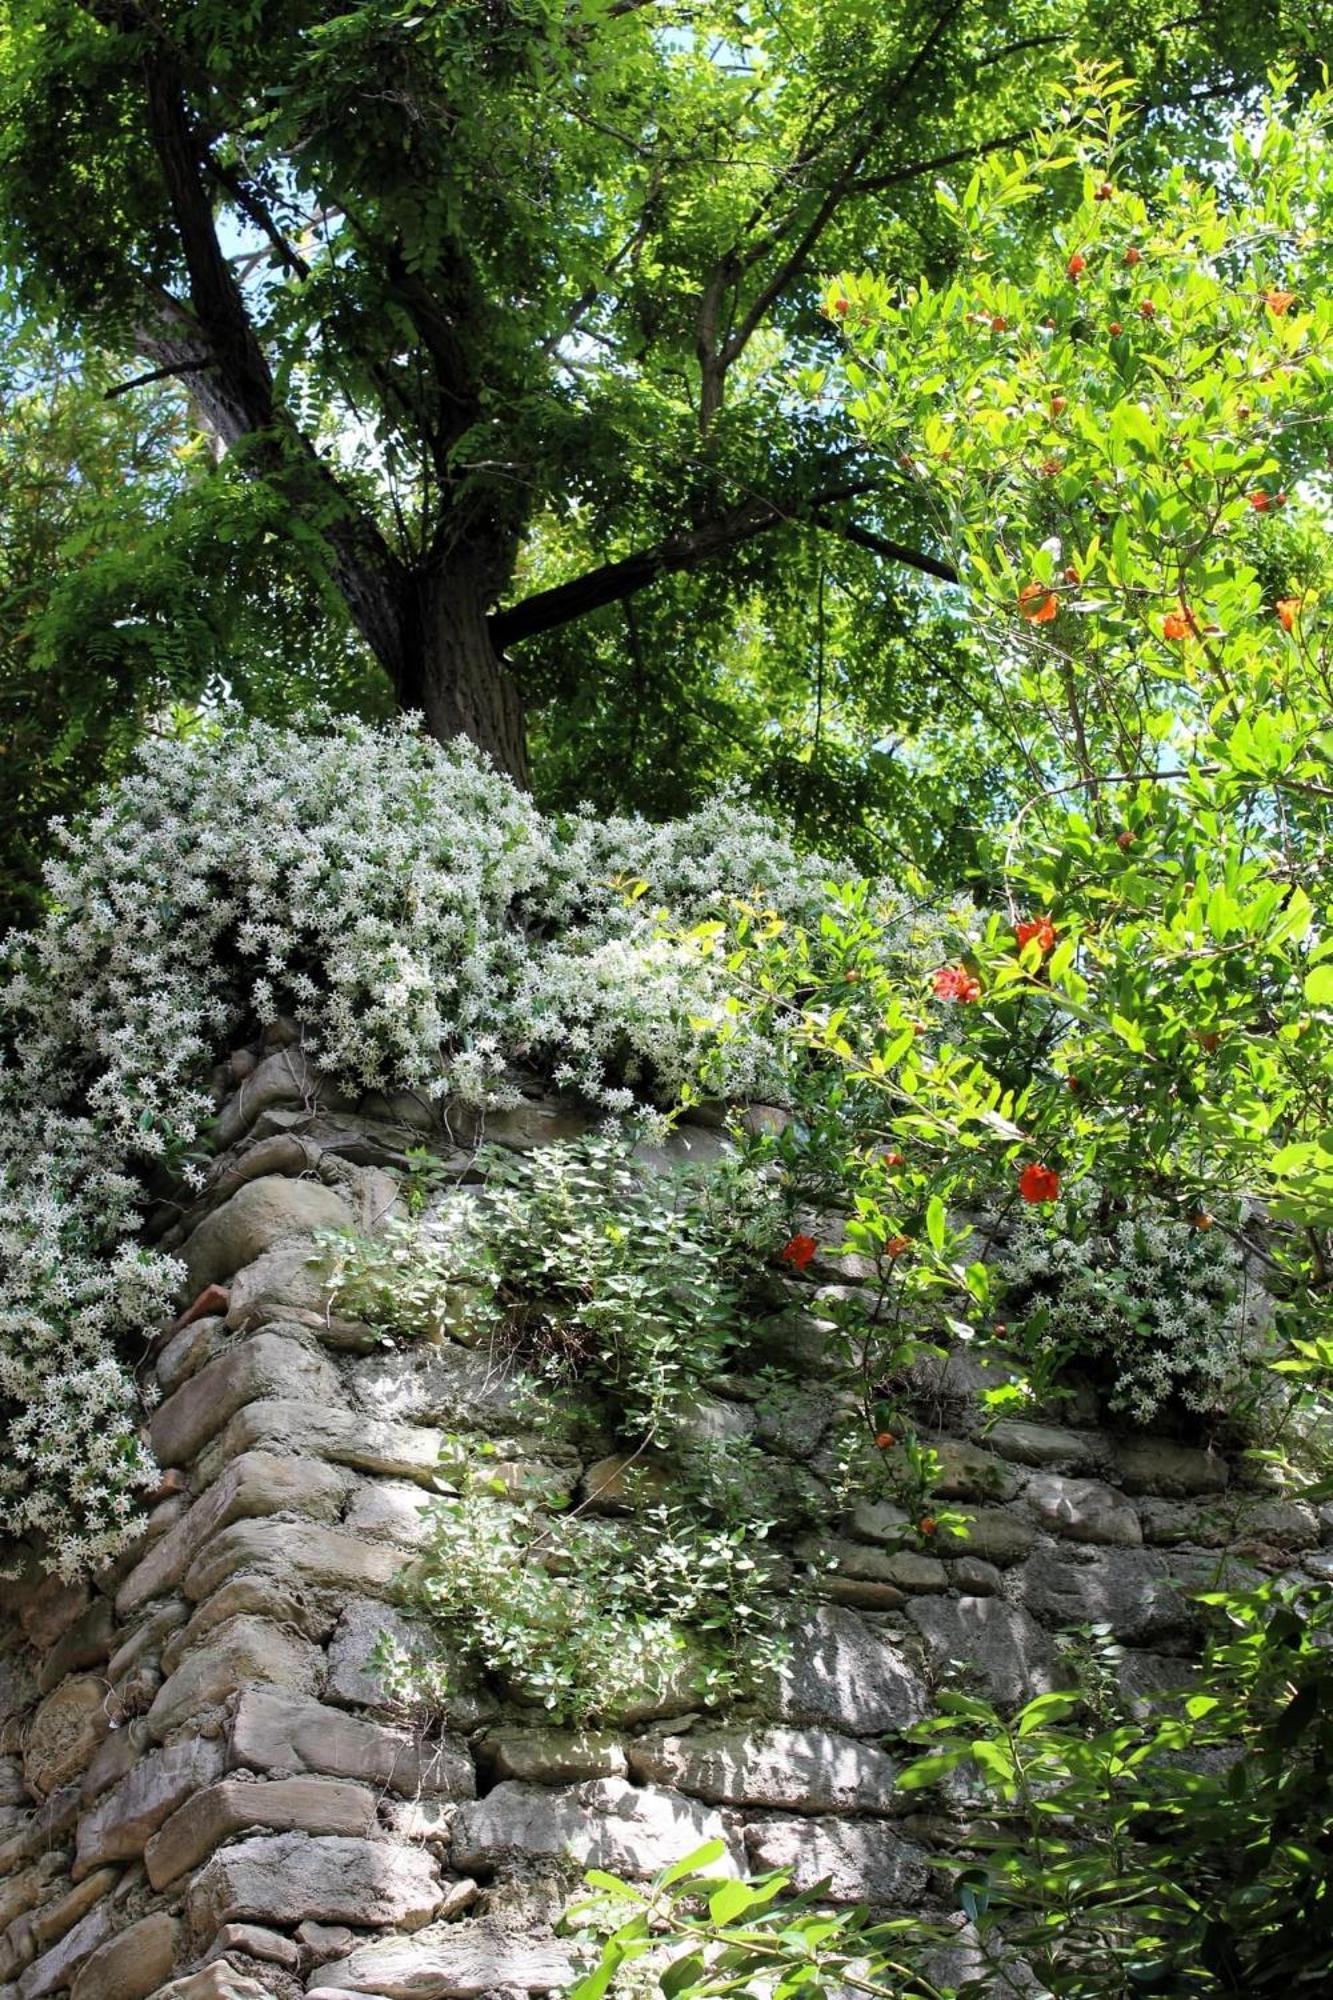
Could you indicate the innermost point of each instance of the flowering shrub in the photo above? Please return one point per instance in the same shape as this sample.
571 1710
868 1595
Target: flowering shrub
1160 1308
425 925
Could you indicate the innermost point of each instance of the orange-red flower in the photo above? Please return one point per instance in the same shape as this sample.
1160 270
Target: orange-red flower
894 1160
1059 404
1038 1183
1133 256
1260 501
842 306
1147 310
1124 840
927 1525
1077 264
999 323
1288 611
1037 604
1180 624
1279 302
799 1251
885 1440
1040 928
955 982
1115 329
896 1245
1105 192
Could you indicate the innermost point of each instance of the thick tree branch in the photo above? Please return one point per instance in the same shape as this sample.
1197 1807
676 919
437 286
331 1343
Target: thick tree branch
546 610
882 545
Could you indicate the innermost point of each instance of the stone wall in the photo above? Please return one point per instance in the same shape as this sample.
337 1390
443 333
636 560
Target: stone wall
203 1792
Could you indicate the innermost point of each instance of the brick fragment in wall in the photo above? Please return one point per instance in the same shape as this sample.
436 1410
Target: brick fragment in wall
255 1484
281 1879
236 1805
268 1365
241 1651
121 1825
274 1731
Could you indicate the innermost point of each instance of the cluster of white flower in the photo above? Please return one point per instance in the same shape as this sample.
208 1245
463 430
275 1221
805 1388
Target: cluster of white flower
1163 1305
426 926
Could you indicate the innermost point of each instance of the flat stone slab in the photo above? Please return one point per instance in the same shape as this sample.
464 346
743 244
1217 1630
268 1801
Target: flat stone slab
122 1823
132 1964
863 1861
606 1823
268 1365
1002 1644
284 1878
263 1212
805 1770
465 1960
239 1652
1083 1510
273 1730
255 1484
235 1805
343 1437
844 1673
328 1557
1131 1590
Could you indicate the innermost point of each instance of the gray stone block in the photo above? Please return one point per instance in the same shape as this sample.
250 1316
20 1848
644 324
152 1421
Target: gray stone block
276 1731
1000 1643
864 1861
282 1879
607 1823
803 1770
269 1365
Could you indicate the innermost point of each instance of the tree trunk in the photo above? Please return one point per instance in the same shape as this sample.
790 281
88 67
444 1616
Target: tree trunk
453 671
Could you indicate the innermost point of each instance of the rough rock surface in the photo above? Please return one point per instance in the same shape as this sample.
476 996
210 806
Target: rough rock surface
206 1793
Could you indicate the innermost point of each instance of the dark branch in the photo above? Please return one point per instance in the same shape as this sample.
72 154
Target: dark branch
548 609
154 375
881 545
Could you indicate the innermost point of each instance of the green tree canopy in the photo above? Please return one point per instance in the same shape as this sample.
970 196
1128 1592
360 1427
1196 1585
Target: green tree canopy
498 305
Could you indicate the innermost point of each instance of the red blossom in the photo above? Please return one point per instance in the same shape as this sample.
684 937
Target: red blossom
894 1160
1180 624
1279 302
885 1440
1147 310
1288 611
1105 192
896 1245
955 982
1040 928
1260 501
1133 256
1037 604
1038 1183
1124 840
1115 329
799 1251
1077 264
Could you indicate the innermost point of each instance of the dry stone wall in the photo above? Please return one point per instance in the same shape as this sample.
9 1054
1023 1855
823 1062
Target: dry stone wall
204 1793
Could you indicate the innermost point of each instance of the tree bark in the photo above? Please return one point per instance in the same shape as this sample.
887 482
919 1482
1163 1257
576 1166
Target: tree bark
452 670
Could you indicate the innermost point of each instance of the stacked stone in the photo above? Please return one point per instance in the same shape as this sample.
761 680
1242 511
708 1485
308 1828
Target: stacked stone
204 1794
